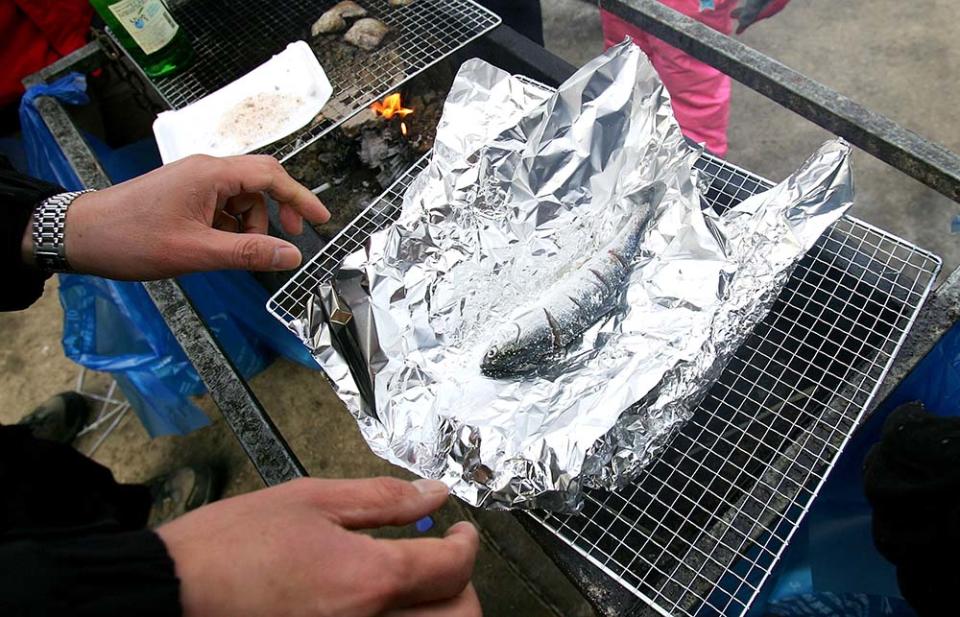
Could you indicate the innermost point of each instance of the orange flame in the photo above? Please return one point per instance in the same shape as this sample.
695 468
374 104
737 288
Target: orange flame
403 128
390 107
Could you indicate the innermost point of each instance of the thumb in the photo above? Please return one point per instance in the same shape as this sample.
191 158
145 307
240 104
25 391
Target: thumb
365 504
255 252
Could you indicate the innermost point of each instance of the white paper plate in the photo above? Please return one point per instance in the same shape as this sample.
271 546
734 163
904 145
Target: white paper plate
275 99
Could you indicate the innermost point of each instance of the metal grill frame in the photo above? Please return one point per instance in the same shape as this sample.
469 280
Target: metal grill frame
778 462
721 570
422 34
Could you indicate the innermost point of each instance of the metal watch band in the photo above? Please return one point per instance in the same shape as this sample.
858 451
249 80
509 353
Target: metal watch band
49 225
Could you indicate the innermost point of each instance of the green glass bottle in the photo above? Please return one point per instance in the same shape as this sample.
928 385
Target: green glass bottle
148 31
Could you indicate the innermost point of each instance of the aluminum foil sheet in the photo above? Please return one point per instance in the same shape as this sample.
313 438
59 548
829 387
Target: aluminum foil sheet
524 189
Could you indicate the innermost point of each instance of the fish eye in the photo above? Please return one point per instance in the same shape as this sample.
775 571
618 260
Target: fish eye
492 352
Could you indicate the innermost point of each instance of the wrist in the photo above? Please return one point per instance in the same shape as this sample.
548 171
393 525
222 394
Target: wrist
183 567
81 216
26 245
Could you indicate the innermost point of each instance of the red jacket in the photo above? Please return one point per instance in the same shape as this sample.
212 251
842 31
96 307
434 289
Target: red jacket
34 33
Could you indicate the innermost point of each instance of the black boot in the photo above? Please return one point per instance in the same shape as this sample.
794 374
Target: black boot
180 491
59 418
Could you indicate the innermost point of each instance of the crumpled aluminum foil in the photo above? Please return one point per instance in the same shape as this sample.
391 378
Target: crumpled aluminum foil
522 187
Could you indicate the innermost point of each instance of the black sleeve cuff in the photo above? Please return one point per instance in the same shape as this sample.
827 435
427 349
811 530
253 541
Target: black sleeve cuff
19 195
102 575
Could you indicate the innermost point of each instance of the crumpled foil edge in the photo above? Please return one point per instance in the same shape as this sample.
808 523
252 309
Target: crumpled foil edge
750 249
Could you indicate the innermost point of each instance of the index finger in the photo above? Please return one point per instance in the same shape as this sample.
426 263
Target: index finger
264 173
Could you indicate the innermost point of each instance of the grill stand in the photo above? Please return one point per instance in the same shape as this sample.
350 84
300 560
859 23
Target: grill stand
228 44
833 332
938 315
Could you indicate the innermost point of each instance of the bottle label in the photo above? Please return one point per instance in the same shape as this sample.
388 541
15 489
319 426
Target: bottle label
147 21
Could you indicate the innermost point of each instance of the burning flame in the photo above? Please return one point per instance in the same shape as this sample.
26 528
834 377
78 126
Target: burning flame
392 107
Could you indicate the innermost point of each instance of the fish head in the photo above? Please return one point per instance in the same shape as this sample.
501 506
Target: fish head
506 353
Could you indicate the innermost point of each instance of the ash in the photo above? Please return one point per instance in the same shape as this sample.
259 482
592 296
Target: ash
366 154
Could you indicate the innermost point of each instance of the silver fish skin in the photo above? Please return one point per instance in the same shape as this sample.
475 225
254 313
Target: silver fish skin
572 305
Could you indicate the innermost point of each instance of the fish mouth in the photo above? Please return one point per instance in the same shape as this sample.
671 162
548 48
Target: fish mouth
497 362
498 368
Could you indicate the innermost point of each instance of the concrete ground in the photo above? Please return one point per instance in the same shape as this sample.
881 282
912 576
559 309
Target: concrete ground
898 58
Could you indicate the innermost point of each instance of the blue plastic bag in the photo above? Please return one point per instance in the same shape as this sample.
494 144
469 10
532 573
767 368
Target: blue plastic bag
936 379
45 160
831 560
832 556
114 327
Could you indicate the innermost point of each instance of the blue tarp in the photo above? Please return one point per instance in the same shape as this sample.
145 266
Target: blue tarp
114 327
831 561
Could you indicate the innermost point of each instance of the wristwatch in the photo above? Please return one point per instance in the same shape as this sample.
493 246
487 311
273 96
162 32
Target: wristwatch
49 226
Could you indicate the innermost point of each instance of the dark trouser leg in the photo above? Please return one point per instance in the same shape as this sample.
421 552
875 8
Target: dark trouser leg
50 486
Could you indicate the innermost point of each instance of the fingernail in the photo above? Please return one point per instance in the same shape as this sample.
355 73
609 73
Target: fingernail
461 527
285 258
431 487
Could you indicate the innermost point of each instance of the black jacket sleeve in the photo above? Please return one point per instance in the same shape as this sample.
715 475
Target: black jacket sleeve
100 575
72 539
19 194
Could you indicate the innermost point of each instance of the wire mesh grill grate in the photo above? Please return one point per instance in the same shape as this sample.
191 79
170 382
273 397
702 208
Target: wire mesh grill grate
232 38
700 530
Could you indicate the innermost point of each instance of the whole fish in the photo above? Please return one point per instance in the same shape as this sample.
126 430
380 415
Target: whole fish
752 11
572 305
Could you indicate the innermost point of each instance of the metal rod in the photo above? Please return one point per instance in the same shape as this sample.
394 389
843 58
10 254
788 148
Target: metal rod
83 60
103 419
108 432
259 437
110 391
910 153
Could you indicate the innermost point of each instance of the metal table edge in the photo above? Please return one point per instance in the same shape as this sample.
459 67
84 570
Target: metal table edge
259 437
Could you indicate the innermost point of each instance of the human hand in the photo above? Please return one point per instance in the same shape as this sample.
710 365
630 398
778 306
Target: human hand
289 551
753 11
198 214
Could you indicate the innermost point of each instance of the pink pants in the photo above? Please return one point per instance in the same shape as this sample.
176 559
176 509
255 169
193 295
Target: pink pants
699 92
